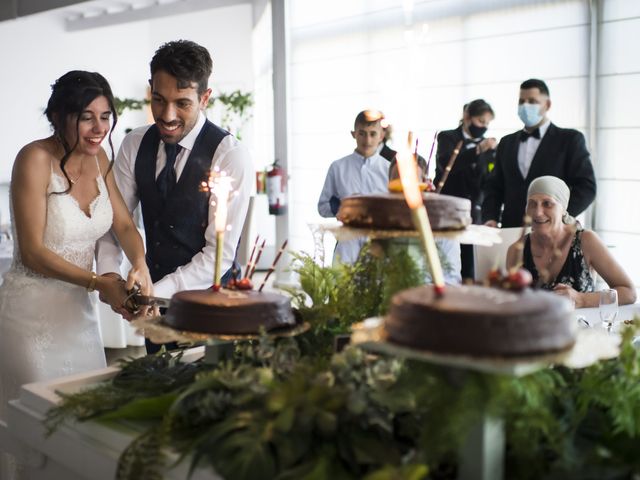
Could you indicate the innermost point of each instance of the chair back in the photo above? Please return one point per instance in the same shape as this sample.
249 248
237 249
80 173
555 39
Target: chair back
486 258
242 253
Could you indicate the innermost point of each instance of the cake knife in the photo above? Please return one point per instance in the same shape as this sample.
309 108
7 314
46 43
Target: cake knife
135 300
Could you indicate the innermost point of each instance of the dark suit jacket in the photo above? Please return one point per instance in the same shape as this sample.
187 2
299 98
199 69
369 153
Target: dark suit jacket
562 153
469 171
390 154
387 152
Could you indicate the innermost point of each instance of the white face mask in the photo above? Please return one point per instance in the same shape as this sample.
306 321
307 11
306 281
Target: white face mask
529 113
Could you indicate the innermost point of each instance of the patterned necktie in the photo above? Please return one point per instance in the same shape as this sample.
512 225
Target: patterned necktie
167 178
524 135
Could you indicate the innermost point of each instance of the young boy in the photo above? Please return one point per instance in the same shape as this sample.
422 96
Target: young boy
362 172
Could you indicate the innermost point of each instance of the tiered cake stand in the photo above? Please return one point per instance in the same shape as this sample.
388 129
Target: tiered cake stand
482 455
472 234
217 346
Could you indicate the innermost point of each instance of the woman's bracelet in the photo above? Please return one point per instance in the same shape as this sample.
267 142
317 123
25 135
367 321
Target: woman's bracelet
92 283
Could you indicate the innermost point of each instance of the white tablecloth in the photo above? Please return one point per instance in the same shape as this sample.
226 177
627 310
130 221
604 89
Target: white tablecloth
116 331
592 315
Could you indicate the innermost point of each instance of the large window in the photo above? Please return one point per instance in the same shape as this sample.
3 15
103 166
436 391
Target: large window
420 62
618 132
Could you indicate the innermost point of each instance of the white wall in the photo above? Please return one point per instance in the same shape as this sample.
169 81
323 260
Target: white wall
36 50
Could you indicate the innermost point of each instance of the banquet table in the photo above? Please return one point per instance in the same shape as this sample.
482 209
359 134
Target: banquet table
91 450
592 315
116 331
76 451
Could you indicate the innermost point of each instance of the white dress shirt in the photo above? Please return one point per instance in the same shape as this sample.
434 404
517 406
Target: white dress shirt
351 175
528 148
448 252
230 156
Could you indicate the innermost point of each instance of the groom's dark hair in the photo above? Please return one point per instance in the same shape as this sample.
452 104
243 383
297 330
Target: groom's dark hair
185 60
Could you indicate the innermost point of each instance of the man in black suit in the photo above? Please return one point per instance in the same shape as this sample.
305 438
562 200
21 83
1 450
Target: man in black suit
541 148
162 166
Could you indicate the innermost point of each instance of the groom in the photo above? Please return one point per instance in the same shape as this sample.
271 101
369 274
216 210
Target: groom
162 166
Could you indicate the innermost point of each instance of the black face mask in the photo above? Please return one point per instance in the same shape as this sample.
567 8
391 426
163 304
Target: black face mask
476 131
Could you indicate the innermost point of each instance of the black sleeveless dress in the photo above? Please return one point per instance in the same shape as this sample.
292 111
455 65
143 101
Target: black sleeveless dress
574 272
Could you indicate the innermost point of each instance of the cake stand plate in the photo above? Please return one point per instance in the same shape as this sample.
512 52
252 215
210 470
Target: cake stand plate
472 234
482 454
156 330
592 345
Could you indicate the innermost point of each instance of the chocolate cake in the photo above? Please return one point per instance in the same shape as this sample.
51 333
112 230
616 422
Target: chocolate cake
480 321
229 312
390 211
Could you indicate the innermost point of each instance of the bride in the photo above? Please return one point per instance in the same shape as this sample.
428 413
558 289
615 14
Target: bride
64 198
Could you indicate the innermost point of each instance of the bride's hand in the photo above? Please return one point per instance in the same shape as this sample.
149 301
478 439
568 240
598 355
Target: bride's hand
111 290
119 309
139 275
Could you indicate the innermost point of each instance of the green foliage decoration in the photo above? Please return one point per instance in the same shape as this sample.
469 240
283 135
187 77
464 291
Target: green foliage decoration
123 104
145 457
582 424
236 108
236 105
331 299
149 377
291 409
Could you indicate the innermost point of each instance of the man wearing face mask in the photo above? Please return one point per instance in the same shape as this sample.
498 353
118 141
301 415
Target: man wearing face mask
540 148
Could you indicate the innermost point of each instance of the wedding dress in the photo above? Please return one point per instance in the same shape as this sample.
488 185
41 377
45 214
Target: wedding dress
49 328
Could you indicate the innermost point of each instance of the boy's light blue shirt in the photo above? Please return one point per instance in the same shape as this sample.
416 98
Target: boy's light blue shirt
351 175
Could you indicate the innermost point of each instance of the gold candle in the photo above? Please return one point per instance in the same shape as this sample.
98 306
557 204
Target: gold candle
217 270
407 166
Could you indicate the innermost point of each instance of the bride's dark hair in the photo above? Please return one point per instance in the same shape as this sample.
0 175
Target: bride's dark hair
70 96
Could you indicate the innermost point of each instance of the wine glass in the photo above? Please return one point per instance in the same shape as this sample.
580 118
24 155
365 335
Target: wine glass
608 307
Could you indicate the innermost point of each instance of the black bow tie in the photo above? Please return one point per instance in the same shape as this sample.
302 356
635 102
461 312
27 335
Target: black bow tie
524 135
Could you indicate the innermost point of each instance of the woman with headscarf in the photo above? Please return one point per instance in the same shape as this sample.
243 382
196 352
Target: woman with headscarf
560 254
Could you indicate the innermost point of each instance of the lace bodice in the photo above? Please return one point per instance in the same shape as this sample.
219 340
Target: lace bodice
69 232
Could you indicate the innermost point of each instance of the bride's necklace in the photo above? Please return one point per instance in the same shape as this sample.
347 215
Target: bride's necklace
74 180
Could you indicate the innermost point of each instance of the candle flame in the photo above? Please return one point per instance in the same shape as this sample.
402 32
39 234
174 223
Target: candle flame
219 185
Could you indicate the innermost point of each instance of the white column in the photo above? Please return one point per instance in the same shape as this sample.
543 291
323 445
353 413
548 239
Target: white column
592 119
279 27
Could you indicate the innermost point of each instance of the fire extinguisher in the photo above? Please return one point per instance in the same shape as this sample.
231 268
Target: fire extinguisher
277 189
